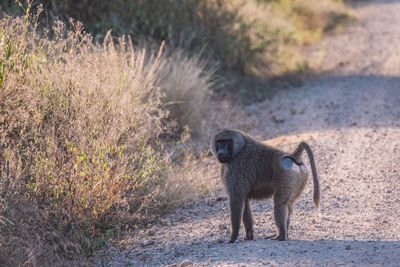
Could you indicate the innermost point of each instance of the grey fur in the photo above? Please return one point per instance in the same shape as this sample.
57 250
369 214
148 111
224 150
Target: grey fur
256 171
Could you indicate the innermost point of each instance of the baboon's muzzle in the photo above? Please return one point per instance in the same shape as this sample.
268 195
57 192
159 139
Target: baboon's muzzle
224 157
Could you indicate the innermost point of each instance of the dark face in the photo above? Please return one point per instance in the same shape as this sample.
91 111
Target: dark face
224 150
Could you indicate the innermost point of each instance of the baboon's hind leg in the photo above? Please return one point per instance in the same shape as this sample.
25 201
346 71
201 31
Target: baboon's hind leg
248 220
290 212
281 213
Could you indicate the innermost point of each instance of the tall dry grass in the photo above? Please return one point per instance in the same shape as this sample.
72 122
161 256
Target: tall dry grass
186 81
80 153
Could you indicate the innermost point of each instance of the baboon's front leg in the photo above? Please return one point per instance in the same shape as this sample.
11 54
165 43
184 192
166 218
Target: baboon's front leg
248 220
236 205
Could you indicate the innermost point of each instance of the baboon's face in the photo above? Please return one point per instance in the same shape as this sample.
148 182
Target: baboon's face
224 149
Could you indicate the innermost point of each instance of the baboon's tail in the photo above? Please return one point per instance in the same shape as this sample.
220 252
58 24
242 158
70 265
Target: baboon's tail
296 154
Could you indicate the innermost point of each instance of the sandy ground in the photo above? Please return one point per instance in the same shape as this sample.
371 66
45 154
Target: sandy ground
351 119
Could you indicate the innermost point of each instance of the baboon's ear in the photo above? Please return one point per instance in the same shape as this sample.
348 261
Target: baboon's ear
238 143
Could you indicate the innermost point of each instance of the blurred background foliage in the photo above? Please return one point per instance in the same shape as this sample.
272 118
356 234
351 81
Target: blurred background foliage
253 37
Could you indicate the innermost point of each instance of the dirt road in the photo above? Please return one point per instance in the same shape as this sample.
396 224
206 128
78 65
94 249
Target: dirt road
351 119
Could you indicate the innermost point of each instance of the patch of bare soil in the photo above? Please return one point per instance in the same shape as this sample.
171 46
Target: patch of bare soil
351 119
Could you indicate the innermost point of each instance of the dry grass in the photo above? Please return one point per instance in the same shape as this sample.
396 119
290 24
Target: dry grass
187 82
80 150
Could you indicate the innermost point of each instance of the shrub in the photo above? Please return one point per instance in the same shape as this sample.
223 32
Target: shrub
80 153
79 127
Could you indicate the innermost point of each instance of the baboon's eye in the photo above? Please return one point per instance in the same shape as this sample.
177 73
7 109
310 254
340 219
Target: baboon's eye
218 146
221 144
230 146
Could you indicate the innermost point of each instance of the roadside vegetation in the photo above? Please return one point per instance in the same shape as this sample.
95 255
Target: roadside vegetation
95 134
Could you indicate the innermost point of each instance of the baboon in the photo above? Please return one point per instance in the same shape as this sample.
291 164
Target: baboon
251 170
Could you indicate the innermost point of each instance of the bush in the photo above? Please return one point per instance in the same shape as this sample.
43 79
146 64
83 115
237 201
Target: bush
79 128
